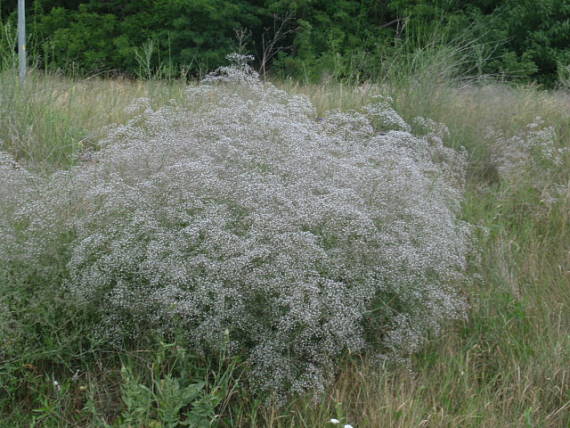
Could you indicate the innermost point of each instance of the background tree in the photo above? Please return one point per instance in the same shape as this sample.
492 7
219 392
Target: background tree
513 39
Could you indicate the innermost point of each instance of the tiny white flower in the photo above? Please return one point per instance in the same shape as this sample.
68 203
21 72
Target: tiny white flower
56 385
334 421
289 188
348 426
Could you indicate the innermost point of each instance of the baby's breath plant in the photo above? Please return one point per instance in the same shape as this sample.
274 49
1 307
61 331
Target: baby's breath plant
240 211
535 151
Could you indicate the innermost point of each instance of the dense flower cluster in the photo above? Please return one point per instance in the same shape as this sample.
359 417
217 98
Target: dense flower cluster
532 149
239 211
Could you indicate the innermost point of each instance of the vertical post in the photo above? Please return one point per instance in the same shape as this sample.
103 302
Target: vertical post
22 39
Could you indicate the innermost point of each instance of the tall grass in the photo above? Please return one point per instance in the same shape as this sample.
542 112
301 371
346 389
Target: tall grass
8 41
49 120
507 365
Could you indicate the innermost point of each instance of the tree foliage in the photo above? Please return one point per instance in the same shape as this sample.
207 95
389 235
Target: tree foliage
514 39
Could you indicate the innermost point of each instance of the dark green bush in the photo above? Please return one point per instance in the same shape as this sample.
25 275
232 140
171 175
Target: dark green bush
519 40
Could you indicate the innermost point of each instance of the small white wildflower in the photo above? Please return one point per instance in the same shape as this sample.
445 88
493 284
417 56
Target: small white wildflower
334 421
75 376
57 386
528 150
238 212
348 426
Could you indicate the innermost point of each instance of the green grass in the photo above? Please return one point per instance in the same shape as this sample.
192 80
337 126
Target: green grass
508 365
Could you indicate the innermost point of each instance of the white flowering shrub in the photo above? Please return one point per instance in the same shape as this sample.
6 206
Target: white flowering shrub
239 212
533 150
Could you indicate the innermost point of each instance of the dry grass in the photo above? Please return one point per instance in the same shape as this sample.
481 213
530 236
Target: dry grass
50 119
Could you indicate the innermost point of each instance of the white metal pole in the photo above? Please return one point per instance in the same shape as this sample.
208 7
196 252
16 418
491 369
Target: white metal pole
22 39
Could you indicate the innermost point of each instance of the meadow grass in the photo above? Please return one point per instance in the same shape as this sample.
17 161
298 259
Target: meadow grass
50 119
507 365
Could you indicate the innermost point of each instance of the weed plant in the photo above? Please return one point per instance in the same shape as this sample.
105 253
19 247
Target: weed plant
506 364
237 211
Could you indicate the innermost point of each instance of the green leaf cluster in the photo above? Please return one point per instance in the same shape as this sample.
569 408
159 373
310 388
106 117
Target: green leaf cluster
513 39
158 37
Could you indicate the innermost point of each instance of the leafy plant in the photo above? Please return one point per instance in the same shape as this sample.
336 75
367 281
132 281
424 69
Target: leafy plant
174 398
